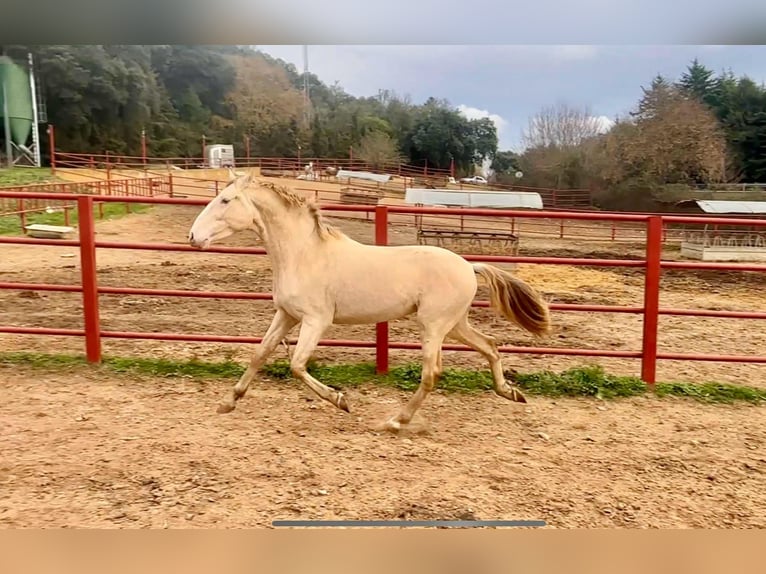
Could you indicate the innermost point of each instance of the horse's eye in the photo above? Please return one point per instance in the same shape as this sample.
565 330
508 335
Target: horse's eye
225 200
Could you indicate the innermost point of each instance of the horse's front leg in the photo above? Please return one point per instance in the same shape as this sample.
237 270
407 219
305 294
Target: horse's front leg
280 326
311 332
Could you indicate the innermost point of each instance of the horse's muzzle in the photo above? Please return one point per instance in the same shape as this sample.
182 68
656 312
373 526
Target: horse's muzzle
193 241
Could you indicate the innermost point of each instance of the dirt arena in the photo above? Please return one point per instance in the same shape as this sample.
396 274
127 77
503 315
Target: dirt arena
86 448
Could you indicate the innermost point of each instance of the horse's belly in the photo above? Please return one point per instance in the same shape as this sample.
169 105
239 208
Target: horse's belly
358 309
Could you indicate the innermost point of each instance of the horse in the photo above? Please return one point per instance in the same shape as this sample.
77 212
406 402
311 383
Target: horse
322 277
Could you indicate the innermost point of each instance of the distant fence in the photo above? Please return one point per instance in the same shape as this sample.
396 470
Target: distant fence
323 170
182 183
289 166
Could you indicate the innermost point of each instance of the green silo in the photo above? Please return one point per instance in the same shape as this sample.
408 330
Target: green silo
14 83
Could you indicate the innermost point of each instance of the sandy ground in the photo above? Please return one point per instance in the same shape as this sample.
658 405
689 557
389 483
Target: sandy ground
86 448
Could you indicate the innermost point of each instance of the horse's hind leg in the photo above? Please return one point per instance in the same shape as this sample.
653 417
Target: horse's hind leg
311 331
277 331
432 338
464 333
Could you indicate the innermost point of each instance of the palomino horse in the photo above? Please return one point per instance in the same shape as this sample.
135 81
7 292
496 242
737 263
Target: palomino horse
323 277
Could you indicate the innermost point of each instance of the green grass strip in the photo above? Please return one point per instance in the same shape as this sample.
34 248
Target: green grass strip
589 381
11 224
25 176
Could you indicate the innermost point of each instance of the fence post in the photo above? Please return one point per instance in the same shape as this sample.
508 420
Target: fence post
381 329
52 146
651 299
108 175
22 214
89 281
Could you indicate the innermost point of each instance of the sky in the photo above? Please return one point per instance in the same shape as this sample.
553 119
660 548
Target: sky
511 83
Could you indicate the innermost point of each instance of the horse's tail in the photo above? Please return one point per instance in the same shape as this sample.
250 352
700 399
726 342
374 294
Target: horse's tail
515 300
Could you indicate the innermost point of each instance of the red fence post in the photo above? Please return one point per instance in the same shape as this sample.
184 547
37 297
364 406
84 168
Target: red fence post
651 299
381 329
52 146
108 175
89 282
22 214
143 146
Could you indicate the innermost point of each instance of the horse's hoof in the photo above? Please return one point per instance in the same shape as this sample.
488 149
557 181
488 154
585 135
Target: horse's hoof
392 425
512 394
343 403
224 408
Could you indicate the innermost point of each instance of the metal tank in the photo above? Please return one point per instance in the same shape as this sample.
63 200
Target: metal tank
18 111
16 100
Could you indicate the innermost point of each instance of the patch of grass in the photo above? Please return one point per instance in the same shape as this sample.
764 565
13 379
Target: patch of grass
11 224
711 392
25 176
407 378
166 368
41 360
589 381
335 376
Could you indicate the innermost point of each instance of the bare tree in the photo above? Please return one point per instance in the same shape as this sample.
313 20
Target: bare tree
561 126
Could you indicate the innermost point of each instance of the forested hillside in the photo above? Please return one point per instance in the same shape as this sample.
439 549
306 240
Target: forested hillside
100 97
697 129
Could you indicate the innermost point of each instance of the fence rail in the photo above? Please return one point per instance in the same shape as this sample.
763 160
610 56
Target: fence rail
652 264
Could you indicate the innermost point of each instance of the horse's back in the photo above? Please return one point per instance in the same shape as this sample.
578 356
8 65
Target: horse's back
385 282
409 259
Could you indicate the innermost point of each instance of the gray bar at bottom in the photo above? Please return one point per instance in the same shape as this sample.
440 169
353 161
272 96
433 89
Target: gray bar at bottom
407 523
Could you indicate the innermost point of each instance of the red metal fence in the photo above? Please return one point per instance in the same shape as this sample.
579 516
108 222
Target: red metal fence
30 203
652 263
294 167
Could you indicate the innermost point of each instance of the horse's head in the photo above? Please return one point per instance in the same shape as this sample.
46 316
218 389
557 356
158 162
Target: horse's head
231 211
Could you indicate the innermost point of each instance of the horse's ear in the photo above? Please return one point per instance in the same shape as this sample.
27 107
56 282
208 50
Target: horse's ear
244 180
232 177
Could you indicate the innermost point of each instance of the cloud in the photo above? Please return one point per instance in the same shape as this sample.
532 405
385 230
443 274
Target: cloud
576 52
500 123
605 123
572 52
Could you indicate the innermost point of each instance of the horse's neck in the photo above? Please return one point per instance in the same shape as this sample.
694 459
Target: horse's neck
289 254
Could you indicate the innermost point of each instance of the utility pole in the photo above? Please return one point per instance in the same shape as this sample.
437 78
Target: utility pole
306 95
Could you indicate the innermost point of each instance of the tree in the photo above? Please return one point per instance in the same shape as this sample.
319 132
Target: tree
265 106
659 90
674 139
698 82
557 142
560 126
441 134
505 163
483 133
378 149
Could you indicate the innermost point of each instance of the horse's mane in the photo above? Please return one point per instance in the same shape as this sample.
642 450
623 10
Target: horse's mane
293 200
